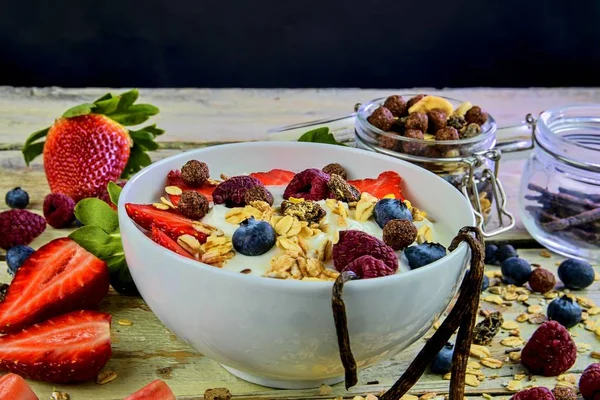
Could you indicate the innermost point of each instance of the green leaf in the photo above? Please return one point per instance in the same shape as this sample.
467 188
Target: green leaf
32 151
36 136
105 97
319 135
127 99
93 239
106 106
97 213
114 191
147 145
82 109
117 263
147 109
142 134
130 119
153 130
138 159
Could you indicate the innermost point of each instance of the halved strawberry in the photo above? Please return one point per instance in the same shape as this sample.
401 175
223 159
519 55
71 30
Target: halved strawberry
60 277
13 387
274 177
388 182
165 241
174 179
170 222
70 348
157 390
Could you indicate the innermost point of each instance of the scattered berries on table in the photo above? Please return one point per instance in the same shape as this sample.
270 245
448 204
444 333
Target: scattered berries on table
564 393
541 280
310 184
490 254
231 192
354 244
485 283
335 168
442 362
389 209
17 198
253 237
399 233
19 227
16 256
366 267
424 254
258 193
194 173
59 210
550 351
193 205
564 311
504 252
576 274
536 393
589 383
516 271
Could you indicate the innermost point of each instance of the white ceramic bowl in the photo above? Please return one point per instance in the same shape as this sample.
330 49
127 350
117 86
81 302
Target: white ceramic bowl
280 333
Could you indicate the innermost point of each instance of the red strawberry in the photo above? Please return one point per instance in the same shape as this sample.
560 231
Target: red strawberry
90 146
170 222
174 179
157 390
69 348
60 277
274 177
13 387
388 182
165 241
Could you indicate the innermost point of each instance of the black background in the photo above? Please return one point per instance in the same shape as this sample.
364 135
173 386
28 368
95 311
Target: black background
310 43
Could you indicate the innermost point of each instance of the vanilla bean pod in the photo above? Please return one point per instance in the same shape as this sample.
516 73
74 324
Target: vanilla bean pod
583 218
540 214
462 310
563 197
591 197
341 328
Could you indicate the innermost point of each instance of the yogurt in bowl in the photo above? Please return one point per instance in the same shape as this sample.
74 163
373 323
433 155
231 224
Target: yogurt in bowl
280 332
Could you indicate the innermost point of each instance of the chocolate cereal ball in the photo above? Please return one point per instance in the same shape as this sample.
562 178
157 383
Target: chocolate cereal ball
399 233
437 119
413 148
381 118
335 168
258 193
476 115
417 120
414 101
194 173
447 133
396 105
193 204
389 143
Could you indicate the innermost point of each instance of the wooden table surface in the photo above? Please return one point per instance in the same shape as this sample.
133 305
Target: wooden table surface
146 350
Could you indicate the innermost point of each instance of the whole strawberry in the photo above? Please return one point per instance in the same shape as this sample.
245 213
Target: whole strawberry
589 383
89 145
550 351
536 393
19 227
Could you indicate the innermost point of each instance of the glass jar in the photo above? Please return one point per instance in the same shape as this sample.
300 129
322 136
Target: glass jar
560 190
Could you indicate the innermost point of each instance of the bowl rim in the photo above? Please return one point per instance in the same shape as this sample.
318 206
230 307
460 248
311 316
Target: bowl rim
365 284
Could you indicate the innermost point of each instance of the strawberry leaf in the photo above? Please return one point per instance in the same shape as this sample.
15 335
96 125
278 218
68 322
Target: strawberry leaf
127 99
147 109
138 159
98 213
114 191
130 119
82 109
153 130
106 106
31 151
107 96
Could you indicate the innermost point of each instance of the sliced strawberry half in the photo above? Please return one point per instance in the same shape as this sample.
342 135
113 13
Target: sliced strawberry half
165 241
13 387
170 222
157 390
274 177
70 348
174 179
388 182
58 278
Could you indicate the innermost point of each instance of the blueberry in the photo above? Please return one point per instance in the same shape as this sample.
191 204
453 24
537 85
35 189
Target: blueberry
253 237
565 311
389 209
576 274
485 283
504 252
423 254
442 363
516 271
490 254
17 198
16 256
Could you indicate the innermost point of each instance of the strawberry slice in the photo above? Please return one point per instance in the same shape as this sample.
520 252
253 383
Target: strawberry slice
70 348
170 222
274 177
165 241
157 390
174 179
60 277
13 387
388 182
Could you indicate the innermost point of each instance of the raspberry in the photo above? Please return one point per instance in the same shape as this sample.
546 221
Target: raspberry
589 383
354 244
58 210
231 192
310 184
564 393
550 351
19 227
536 393
366 267
194 173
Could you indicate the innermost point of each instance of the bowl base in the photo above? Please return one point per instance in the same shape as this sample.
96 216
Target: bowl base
282 383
